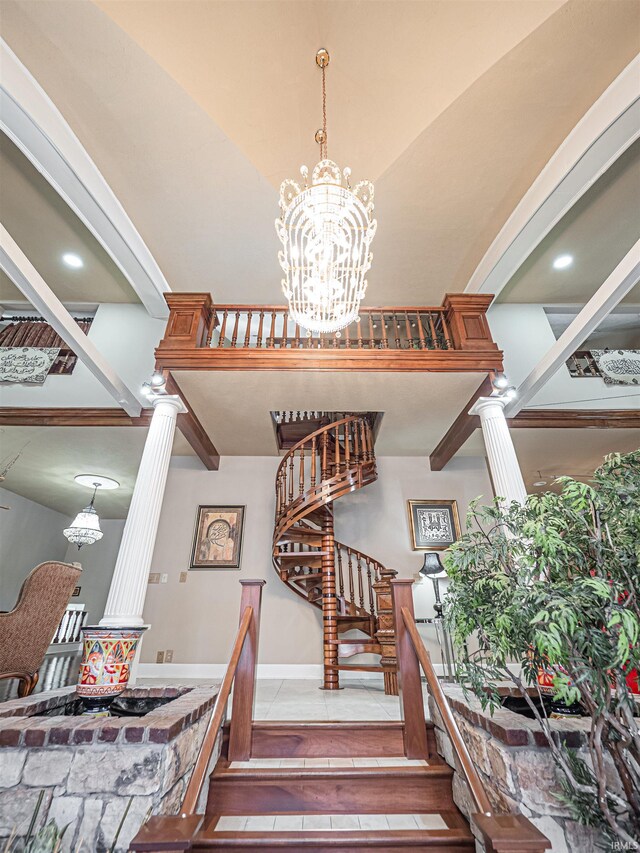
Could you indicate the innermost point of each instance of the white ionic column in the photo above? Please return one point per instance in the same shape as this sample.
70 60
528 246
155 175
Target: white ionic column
501 454
131 574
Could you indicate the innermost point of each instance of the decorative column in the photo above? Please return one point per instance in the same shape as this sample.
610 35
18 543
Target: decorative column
130 576
501 454
329 603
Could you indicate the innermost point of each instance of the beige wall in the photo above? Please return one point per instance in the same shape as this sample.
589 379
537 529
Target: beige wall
198 619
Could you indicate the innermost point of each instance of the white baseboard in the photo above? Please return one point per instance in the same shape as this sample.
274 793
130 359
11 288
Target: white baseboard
265 670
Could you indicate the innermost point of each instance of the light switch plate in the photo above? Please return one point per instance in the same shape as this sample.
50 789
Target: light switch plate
164 578
168 656
160 657
154 577
183 577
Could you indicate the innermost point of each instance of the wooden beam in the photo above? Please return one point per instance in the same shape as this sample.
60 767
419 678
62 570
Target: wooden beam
622 280
192 429
460 430
28 280
67 417
576 419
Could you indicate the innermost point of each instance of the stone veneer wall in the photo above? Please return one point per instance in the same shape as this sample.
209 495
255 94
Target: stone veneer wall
514 762
90 767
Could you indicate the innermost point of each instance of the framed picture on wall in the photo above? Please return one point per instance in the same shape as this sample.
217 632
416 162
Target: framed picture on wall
217 540
434 524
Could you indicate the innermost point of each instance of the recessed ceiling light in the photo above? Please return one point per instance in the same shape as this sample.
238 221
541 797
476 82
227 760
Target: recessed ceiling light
562 262
72 260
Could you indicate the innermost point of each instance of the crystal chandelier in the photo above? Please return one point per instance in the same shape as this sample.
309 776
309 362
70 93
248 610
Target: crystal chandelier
326 230
85 527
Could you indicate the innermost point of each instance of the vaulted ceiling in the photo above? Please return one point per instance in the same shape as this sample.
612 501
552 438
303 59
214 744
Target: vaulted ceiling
195 111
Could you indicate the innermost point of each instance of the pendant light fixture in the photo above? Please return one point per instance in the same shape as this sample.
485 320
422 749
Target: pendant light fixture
326 229
85 527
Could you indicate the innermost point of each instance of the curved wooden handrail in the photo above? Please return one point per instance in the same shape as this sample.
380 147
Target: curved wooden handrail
309 438
468 768
192 795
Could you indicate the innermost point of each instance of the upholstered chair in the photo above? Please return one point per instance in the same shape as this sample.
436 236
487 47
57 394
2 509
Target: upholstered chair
27 630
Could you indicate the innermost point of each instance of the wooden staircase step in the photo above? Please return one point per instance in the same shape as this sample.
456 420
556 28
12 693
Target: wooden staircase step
312 559
335 790
451 836
303 534
331 740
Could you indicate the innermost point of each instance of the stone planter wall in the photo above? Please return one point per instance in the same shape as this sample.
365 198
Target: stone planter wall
514 762
90 768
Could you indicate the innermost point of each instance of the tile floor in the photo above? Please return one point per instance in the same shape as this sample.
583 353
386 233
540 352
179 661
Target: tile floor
293 822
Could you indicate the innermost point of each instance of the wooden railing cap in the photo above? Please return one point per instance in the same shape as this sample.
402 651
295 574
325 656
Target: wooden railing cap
253 582
400 581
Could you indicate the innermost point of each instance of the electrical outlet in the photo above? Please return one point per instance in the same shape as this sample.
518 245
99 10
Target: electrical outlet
183 577
160 657
164 578
168 656
154 577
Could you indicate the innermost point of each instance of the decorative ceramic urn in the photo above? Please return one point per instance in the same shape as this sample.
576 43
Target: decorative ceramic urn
107 656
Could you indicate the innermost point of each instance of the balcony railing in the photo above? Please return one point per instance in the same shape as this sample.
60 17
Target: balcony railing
71 625
451 337
269 327
582 365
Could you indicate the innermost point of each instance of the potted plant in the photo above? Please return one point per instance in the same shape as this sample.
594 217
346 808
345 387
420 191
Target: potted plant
554 586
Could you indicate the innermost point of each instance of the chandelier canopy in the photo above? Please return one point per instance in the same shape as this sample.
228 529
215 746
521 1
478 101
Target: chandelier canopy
326 229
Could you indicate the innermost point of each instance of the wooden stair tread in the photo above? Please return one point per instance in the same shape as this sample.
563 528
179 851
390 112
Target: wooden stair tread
389 841
432 771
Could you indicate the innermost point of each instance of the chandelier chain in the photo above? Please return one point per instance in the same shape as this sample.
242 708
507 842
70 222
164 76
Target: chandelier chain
323 155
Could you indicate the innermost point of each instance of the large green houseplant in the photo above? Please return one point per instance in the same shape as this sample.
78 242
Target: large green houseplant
556 584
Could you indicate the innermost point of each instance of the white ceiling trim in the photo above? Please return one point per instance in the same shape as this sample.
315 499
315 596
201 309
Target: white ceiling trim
609 127
624 277
27 279
33 122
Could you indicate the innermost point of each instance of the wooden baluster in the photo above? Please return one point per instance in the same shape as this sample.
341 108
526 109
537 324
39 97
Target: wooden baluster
372 342
352 597
445 337
432 329
313 461
363 440
336 341
247 335
323 467
234 337
297 337
291 478
420 330
284 342
340 576
223 328
356 443
359 332
384 343
337 451
395 323
271 340
372 608
407 326
56 636
594 370
360 583
347 338
259 338
347 444
301 484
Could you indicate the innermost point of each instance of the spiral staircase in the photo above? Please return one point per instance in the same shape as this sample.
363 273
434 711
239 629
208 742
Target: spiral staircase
351 588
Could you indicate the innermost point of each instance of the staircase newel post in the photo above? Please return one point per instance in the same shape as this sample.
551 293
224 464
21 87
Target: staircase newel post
240 731
409 681
329 603
385 633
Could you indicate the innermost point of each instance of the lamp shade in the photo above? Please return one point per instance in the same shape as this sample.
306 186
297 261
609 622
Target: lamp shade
432 566
85 528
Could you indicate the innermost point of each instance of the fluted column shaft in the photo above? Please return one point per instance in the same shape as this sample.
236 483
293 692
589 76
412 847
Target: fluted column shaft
501 454
130 577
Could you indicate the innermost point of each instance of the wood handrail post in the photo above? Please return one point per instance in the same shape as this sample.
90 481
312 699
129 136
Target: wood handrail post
240 729
191 318
465 317
409 684
385 633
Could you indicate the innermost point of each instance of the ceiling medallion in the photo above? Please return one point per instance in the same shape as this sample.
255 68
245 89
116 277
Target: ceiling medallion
326 229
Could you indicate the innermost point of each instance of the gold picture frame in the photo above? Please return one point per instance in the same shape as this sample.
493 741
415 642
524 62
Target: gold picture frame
434 525
217 538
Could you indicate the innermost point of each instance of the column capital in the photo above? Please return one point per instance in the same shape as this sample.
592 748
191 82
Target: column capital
171 400
483 404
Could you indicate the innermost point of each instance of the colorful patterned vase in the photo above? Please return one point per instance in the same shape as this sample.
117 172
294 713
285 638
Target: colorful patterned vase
107 656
